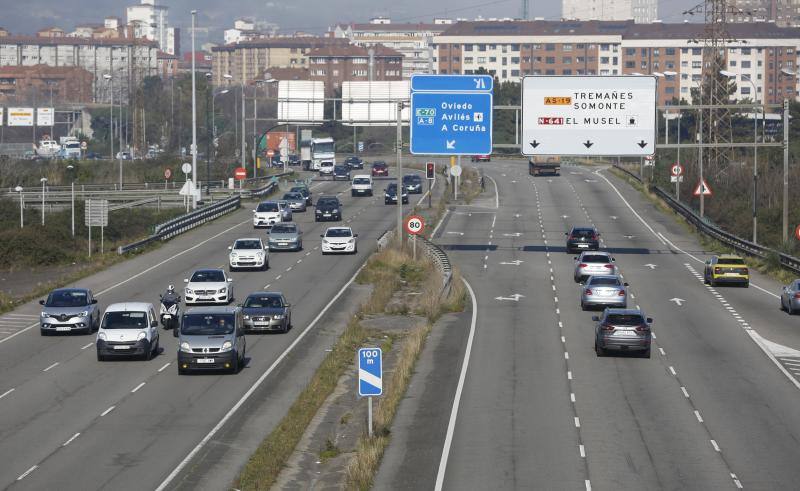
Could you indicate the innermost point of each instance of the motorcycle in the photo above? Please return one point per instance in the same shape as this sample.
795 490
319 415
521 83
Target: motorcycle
170 313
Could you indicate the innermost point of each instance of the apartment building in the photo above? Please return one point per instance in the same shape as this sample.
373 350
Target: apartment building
336 64
248 60
412 40
641 11
122 58
784 13
41 84
149 20
510 50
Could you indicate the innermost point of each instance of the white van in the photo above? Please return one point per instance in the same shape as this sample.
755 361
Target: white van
128 329
361 186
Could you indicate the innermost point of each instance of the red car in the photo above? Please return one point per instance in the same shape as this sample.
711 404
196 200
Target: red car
481 158
380 169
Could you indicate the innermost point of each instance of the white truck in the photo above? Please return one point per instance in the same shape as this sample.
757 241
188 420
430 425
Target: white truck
70 147
322 150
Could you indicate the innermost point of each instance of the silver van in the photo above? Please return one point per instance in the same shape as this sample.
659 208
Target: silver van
211 338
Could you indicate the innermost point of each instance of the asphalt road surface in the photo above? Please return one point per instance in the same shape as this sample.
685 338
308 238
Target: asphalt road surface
715 407
70 420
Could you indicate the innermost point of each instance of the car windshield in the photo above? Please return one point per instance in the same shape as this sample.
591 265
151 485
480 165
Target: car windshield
625 319
732 260
324 147
292 196
411 179
604 282
582 232
379 165
327 202
341 168
207 324
70 298
392 188
338 232
300 190
595 258
283 229
125 320
263 302
208 277
360 180
262 207
247 244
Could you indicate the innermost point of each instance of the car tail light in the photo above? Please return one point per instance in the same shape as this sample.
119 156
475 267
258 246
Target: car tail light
588 291
607 327
609 266
570 237
642 328
582 265
621 293
717 270
797 295
594 236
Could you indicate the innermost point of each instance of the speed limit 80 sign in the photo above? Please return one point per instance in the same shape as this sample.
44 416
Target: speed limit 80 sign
415 225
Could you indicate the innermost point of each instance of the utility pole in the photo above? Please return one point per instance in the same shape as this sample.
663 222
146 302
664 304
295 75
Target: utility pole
400 172
194 114
785 171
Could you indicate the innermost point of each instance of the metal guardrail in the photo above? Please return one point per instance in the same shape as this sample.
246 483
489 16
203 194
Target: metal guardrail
186 222
132 204
440 259
737 243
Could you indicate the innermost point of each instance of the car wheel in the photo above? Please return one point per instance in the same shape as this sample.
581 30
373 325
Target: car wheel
148 354
646 353
746 284
87 329
100 357
235 367
231 269
285 327
44 332
600 352
181 371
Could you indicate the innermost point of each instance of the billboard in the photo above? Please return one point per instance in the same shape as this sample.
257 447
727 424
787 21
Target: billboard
45 116
2 114
20 116
374 103
301 101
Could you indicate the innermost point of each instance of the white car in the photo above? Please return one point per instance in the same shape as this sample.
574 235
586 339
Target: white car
267 214
286 210
339 240
128 329
248 253
326 168
208 286
361 185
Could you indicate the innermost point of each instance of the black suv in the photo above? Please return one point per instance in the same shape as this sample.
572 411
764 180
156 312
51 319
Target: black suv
390 196
341 172
583 239
328 208
413 183
354 162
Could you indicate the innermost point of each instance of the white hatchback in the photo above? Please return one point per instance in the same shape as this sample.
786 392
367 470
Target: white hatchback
248 253
339 240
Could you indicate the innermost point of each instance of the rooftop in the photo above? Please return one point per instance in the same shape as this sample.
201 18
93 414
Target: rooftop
351 50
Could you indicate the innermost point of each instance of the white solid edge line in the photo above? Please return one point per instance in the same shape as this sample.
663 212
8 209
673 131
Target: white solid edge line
448 440
255 386
433 234
18 333
597 172
7 392
496 192
26 473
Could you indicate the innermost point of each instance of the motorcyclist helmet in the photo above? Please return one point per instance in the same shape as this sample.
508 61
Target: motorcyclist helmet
171 289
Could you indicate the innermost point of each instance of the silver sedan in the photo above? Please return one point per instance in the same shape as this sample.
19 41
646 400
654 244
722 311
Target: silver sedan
604 291
790 297
593 263
297 202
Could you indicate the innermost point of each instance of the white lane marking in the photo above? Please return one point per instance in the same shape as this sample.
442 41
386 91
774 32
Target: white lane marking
569 375
496 193
72 439
289 268
494 218
87 346
260 381
582 451
7 392
433 234
267 285
137 388
685 392
572 397
630 207
661 350
308 253
107 411
51 367
448 440
588 484
736 480
697 415
299 261
566 355
577 422
672 370
164 367
714 444
26 473
278 277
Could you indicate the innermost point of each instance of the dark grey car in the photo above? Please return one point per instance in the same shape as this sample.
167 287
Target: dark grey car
267 311
622 330
296 200
69 309
285 237
790 297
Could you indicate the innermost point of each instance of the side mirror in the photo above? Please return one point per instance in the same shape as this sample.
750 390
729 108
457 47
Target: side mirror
175 332
94 301
355 235
230 280
321 235
186 280
626 284
649 320
41 302
288 305
230 248
575 258
596 318
154 324
613 260
254 211
566 233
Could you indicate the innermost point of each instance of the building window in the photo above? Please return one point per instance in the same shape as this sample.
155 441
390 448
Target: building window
566 60
481 47
456 59
615 60
566 71
604 47
537 72
515 60
481 60
515 47
536 46
505 61
603 72
656 52
580 59
515 73
630 51
319 72
468 59
669 51
685 51
580 46
492 59
550 60
566 47
644 65
549 47
697 64
467 47
697 51
746 64
669 90
505 74
630 64
684 90
549 72
644 51
732 63
359 73
745 90
604 60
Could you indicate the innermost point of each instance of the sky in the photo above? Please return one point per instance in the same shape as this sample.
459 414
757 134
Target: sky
26 17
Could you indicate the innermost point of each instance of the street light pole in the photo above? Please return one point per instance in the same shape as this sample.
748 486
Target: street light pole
44 181
72 199
111 116
785 171
244 157
208 137
194 113
21 206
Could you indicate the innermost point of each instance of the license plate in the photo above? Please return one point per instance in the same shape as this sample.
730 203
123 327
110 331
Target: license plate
205 360
626 333
63 328
167 316
326 214
283 243
122 347
583 246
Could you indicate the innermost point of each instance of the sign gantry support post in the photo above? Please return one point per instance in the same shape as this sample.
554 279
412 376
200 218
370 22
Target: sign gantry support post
400 172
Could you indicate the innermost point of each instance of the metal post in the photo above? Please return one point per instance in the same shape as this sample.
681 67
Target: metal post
678 181
255 128
369 415
400 171
702 197
430 191
111 120
785 170
244 125
456 181
21 208
194 112
73 207
755 174
44 180
90 237
414 247
102 235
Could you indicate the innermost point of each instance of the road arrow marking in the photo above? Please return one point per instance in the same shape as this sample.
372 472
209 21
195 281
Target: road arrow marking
629 236
514 298
535 144
516 234
678 301
517 215
642 144
564 216
515 262
451 144
513 182
613 217
651 266
588 144
456 233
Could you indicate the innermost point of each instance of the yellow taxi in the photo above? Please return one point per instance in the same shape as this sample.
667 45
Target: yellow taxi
726 268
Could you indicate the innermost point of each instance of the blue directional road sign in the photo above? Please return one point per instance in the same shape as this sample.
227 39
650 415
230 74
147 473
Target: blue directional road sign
451 114
370 372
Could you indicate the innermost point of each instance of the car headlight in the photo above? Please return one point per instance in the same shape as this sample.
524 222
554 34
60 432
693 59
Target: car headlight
101 336
45 315
223 290
234 255
188 291
185 347
335 210
83 314
277 317
351 241
246 317
142 335
226 346
325 241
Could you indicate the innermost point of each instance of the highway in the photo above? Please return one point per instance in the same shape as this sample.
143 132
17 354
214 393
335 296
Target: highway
716 406
70 420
